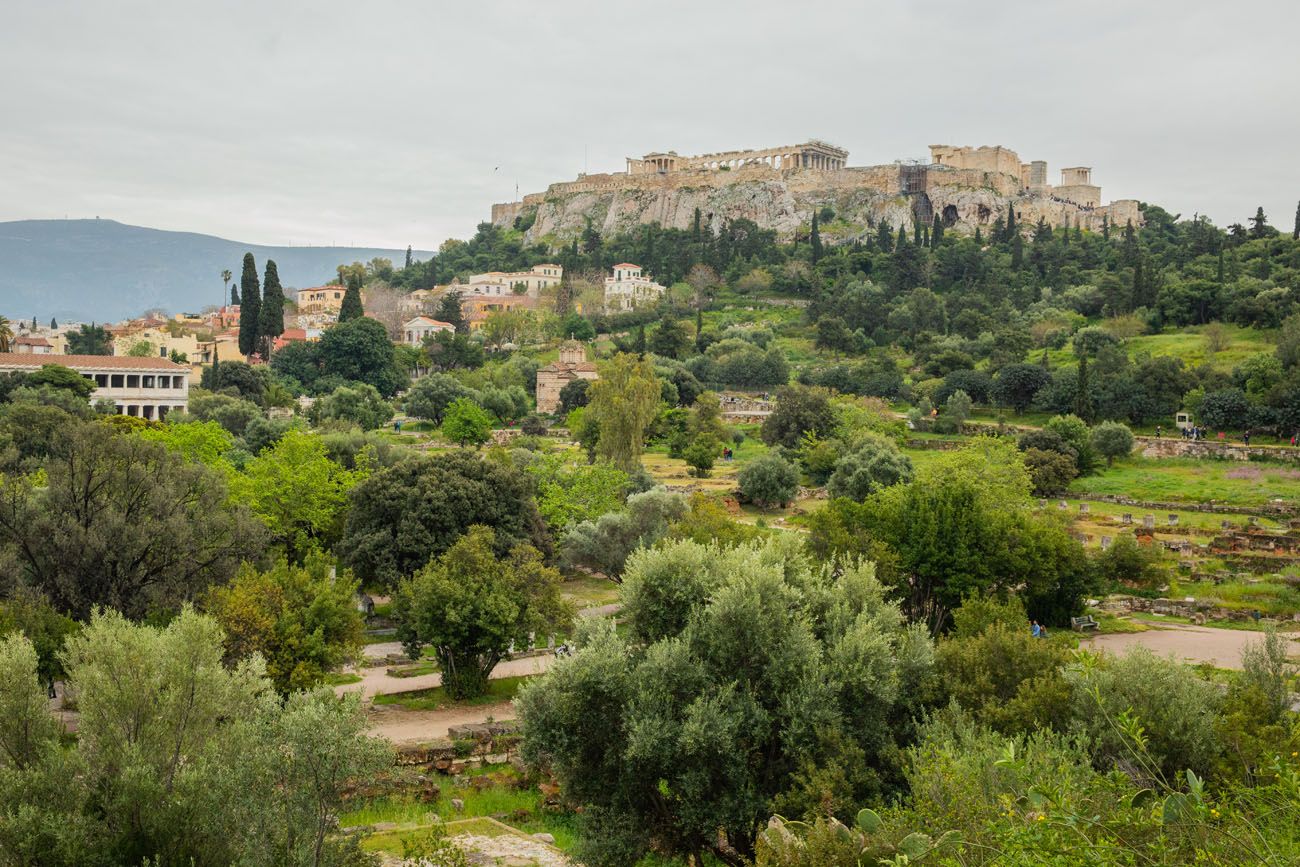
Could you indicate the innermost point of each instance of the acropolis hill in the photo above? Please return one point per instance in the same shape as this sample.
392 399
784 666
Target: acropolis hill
780 188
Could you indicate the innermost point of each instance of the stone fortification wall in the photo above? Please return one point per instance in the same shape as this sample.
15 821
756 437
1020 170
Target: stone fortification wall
784 200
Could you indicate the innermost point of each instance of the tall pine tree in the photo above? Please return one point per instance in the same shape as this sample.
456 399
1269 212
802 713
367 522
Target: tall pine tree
1295 233
815 239
1259 227
250 307
272 318
351 307
936 231
408 255
1011 229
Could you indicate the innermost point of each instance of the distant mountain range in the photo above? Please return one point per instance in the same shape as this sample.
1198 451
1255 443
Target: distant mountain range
106 271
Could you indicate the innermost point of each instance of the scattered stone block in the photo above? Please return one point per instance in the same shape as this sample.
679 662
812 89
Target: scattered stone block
1062 505
1127 518
1083 508
1105 542
458 805
1173 519
1149 521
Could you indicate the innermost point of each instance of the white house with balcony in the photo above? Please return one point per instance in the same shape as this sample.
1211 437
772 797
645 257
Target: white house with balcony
143 387
629 289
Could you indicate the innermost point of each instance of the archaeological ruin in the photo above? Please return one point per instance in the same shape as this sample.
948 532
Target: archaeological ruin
780 187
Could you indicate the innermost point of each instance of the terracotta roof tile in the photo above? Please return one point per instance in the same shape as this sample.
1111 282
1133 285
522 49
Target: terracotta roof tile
15 360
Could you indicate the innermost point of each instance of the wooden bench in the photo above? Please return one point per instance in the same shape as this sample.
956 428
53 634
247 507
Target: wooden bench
1084 623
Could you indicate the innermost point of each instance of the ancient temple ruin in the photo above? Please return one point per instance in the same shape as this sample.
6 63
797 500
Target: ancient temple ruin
812 154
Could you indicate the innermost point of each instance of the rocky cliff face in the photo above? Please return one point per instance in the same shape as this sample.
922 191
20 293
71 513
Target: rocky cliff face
785 201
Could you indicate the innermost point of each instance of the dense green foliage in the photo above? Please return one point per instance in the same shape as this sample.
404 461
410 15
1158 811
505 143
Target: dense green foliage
178 758
402 516
760 673
471 606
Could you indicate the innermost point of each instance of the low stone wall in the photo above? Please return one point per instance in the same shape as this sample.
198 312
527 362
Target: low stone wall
467 746
1176 447
1283 509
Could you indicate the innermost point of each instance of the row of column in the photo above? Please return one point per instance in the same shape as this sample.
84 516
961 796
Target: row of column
797 159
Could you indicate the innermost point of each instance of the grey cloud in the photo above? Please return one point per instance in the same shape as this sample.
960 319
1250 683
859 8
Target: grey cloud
381 123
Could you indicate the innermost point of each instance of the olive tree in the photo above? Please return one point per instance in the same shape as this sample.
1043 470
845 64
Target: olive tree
470 605
1112 439
754 678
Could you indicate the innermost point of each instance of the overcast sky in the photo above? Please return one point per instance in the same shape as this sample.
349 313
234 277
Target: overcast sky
395 123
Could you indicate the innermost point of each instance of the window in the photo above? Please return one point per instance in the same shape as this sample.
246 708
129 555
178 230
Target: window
116 380
101 380
147 381
133 381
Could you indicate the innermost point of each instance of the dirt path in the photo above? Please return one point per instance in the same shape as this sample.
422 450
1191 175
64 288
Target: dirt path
1222 647
416 726
376 681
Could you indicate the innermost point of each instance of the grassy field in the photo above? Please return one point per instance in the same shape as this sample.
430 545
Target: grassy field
1102 513
499 690
505 800
586 591
1196 481
1191 345
1271 598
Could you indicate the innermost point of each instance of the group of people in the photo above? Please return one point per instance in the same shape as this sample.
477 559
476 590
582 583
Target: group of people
1198 433
1038 630
727 453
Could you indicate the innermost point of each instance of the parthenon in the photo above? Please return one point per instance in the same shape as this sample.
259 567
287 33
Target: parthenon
811 154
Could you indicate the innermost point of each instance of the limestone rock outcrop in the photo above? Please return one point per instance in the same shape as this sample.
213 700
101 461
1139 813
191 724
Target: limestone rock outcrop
784 201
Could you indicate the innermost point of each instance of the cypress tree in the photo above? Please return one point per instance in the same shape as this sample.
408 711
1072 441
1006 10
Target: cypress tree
884 237
234 296
1011 221
1259 224
979 239
815 238
1139 286
54 323
351 307
916 232
936 232
408 255
902 238
1017 251
216 367
1105 228
1295 233
1081 403
250 310
695 228
272 318
33 323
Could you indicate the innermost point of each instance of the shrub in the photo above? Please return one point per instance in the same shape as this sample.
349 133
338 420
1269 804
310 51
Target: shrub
1149 715
466 423
770 480
1050 471
876 464
701 454
1112 440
